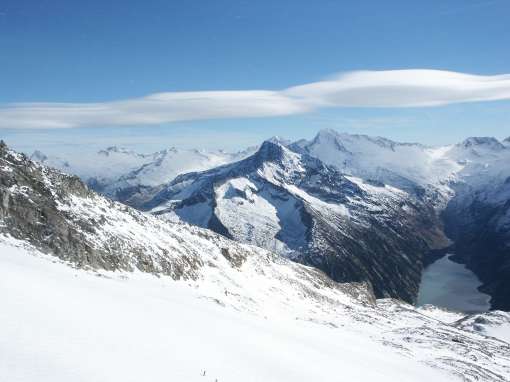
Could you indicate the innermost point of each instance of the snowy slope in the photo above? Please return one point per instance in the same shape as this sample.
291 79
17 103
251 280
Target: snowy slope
69 324
494 324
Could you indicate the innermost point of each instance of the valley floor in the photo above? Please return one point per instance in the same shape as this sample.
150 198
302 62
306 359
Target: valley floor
62 324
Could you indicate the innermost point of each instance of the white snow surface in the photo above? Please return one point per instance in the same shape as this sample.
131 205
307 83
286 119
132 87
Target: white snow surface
257 323
260 216
495 324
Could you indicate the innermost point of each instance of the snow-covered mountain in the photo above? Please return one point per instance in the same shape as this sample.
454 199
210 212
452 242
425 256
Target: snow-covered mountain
237 312
315 200
98 168
476 162
477 217
468 183
122 174
408 166
293 204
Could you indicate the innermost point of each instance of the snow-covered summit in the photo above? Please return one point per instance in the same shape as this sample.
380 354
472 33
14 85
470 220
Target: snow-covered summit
295 205
279 140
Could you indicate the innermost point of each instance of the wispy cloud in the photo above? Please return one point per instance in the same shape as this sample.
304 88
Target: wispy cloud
394 88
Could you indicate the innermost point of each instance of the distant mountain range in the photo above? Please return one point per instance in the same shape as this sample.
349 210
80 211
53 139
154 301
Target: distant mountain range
119 172
358 207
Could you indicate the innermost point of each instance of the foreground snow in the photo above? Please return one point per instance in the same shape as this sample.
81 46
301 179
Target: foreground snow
63 324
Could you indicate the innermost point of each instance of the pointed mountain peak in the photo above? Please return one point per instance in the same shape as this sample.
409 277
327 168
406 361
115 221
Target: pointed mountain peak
279 140
271 151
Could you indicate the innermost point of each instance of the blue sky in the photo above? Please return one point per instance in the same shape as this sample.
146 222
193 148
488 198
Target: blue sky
100 51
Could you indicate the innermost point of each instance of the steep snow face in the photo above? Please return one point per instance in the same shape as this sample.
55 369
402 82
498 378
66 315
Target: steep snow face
271 321
296 206
261 216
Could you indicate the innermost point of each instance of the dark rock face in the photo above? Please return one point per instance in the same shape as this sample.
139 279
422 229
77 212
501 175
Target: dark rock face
38 205
388 254
30 211
481 231
384 244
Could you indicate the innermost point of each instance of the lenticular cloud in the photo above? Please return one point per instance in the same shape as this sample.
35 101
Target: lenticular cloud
156 108
391 88
402 88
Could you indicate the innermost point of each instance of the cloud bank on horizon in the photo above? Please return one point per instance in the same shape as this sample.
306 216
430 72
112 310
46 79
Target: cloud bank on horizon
385 89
